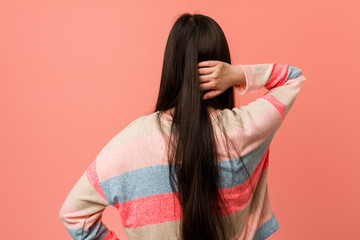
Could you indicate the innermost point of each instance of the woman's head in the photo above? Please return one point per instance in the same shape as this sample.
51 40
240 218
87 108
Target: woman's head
193 38
192 150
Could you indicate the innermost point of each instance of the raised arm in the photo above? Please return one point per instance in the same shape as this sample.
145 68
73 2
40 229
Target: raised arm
283 80
261 118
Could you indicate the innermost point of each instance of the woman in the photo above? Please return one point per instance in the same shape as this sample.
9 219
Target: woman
195 168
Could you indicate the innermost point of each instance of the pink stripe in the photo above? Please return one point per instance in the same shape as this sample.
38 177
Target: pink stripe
278 76
149 210
281 107
93 178
166 207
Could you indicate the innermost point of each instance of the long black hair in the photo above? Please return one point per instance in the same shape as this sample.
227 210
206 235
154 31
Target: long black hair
193 154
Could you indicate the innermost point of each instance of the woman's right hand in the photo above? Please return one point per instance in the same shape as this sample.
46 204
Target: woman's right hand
218 76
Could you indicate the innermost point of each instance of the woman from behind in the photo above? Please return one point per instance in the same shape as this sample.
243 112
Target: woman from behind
197 81
212 182
193 162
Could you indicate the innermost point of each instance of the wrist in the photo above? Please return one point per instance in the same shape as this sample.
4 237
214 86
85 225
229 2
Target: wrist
239 76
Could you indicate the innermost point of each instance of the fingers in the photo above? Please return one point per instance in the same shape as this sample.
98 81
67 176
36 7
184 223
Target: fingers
211 94
205 78
206 86
205 73
206 70
209 63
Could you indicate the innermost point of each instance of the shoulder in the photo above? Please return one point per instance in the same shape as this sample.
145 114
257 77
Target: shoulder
145 125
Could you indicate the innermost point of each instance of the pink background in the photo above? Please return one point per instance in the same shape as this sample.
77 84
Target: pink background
75 73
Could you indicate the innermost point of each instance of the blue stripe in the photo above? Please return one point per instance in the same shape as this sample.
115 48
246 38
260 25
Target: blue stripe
294 72
267 229
98 231
154 180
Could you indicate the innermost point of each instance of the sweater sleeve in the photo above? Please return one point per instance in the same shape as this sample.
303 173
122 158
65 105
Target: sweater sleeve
81 212
262 117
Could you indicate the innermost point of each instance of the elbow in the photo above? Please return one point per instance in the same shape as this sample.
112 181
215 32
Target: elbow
62 214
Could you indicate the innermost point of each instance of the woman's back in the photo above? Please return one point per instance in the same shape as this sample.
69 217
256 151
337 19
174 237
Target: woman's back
131 172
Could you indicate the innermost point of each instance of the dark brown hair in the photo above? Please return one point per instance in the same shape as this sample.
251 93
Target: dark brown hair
193 154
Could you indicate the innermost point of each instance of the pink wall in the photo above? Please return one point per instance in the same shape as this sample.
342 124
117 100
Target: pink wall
74 73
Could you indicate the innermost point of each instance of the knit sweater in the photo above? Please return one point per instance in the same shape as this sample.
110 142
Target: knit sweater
131 172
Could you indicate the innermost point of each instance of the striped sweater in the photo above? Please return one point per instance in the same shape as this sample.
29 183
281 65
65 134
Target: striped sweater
131 172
